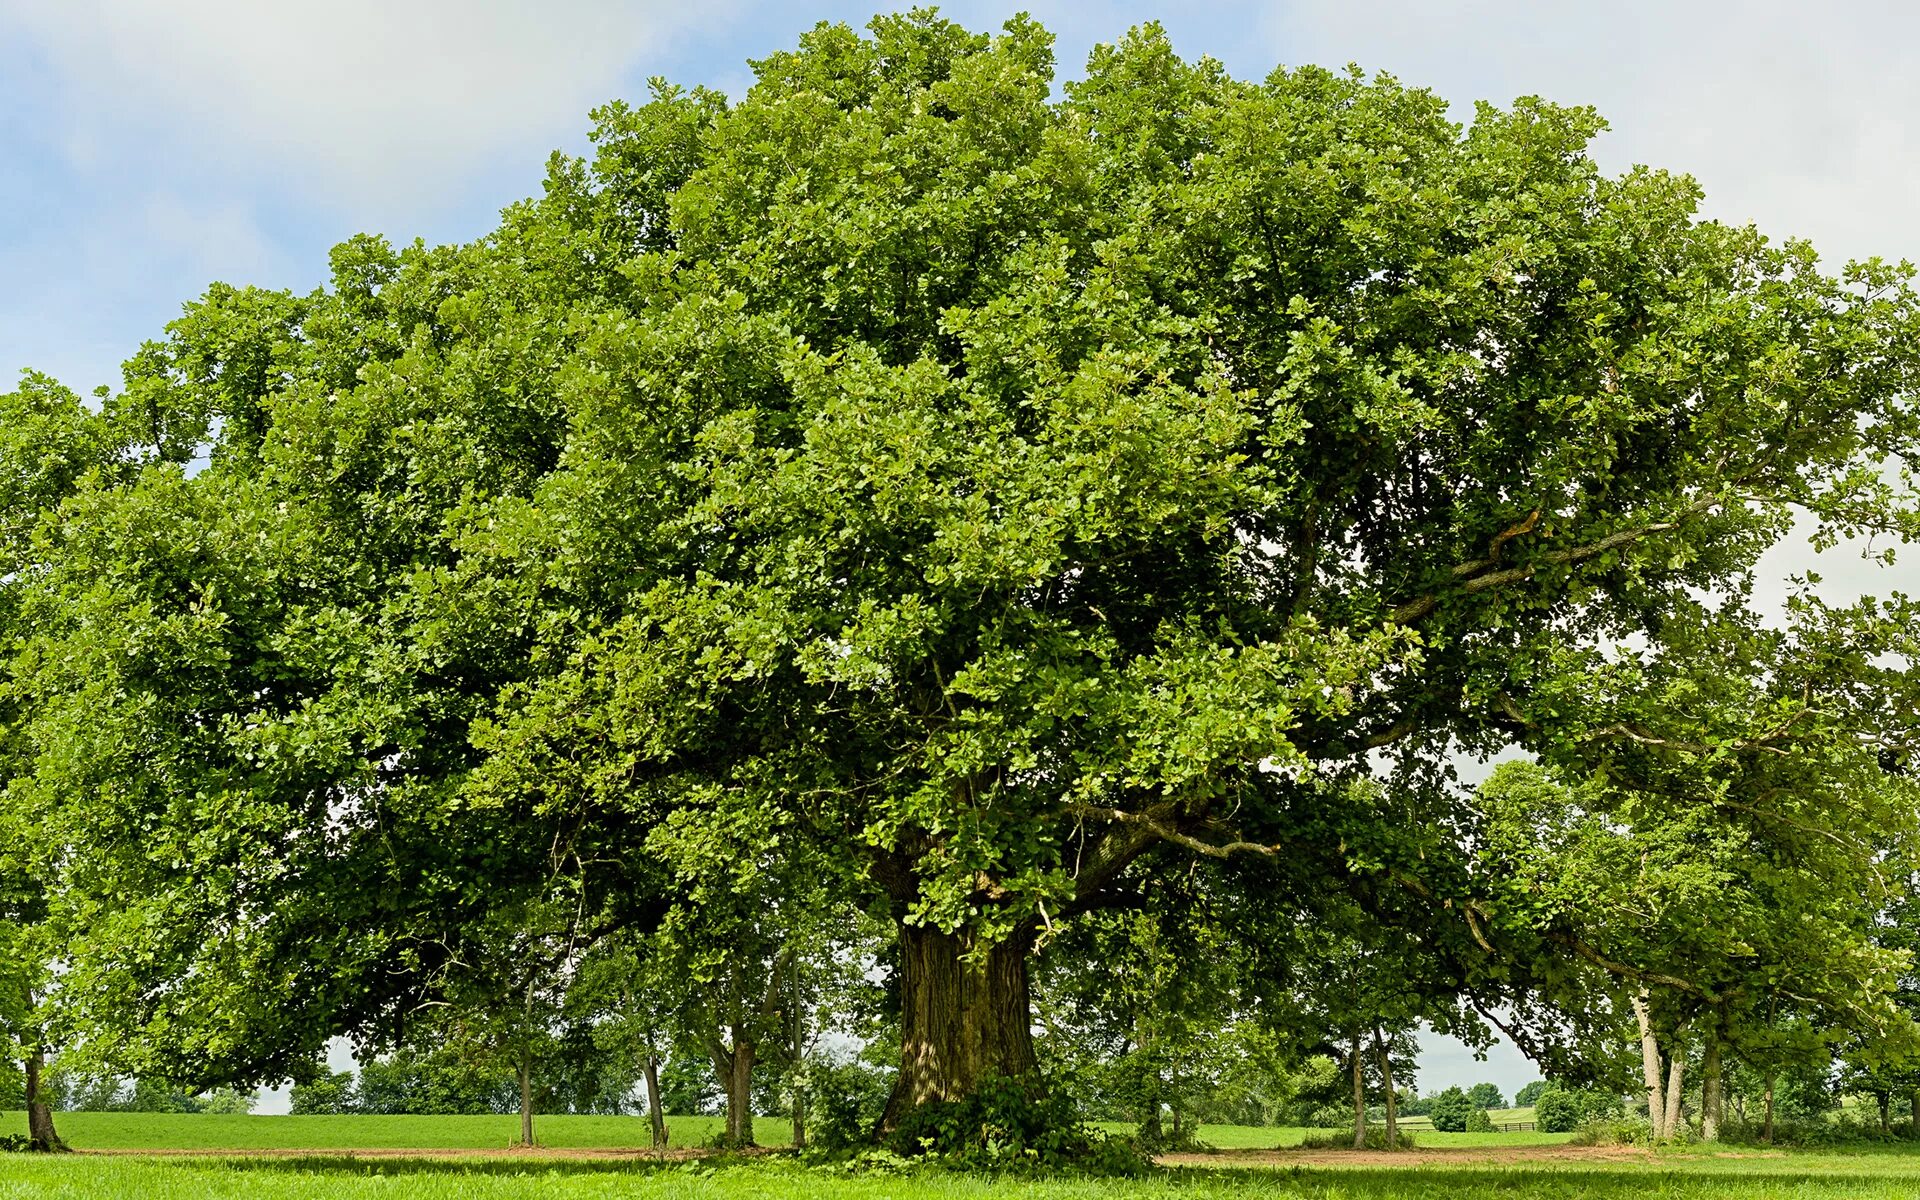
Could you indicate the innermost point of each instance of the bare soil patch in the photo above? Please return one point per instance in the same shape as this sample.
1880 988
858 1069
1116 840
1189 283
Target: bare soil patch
1417 1157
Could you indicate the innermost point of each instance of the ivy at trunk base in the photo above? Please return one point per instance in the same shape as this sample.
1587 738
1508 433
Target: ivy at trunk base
1012 1125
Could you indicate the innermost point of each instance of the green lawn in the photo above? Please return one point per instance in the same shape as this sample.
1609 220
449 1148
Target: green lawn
198 1131
1681 1177
205 1131
1487 1170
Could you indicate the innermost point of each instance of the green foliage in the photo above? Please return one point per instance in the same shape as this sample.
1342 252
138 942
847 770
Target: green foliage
1525 1097
1618 1131
1003 1126
1376 1139
923 487
1450 1111
325 1092
1557 1111
1486 1095
844 1103
432 1082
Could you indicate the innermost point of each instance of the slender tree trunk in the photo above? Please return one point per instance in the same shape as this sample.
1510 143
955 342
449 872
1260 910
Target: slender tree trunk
1913 1114
740 1091
1386 1076
1885 1100
1359 1094
1766 1128
1676 1068
1712 1090
40 1131
1650 1067
526 1101
961 1021
655 1117
1152 1133
796 1055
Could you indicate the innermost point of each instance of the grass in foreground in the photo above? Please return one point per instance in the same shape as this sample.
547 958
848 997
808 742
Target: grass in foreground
1681 1177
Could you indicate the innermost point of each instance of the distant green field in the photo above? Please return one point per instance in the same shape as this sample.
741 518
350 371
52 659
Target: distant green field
205 1131
1860 1177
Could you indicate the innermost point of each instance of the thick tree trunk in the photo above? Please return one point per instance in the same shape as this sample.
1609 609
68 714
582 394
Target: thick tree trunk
526 1102
1712 1090
1676 1068
961 1021
1359 1094
1386 1077
40 1132
1766 1128
733 1067
739 1084
655 1117
1650 1068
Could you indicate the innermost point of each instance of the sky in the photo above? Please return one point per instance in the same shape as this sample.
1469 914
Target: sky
149 147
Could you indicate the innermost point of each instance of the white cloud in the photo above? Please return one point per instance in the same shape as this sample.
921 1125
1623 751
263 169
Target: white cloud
1796 117
344 99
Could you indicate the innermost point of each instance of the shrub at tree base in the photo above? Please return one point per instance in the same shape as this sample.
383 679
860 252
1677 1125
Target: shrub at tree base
844 1103
1478 1121
1004 1126
1556 1112
1376 1140
1622 1131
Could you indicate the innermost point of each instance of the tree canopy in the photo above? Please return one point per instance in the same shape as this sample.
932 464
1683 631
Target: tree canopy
980 497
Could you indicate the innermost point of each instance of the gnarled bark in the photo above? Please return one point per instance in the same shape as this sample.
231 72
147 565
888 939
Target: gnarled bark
963 1018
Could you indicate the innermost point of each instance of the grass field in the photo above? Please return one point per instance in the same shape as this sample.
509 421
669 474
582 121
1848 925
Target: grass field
1446 1167
1866 1177
201 1131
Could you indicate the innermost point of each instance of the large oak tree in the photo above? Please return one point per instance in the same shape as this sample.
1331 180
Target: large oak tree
1010 491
